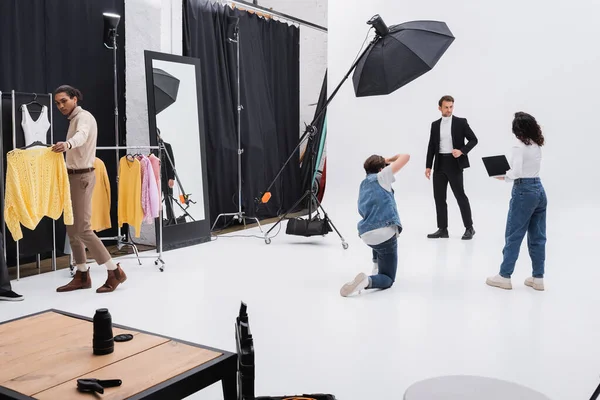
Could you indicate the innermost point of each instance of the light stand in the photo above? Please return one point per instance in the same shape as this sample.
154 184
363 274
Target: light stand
185 197
310 131
111 21
239 215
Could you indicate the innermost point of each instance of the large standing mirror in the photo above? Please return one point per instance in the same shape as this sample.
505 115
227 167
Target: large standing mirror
176 123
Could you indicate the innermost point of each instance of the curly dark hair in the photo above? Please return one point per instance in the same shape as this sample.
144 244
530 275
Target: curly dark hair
374 164
526 129
70 91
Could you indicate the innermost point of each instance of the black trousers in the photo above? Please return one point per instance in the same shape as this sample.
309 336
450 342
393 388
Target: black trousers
168 194
4 278
448 171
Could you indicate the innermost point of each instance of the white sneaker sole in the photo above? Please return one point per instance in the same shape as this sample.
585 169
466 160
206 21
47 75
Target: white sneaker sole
536 286
11 298
507 286
351 287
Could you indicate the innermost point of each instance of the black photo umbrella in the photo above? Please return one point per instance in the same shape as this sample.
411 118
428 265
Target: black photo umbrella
401 55
166 87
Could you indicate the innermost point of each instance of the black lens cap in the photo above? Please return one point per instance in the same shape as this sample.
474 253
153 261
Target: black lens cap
123 338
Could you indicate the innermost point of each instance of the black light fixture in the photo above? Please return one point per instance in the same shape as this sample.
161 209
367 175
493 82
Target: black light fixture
380 27
111 22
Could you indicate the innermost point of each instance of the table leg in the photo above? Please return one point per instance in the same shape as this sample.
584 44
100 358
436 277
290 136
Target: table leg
229 382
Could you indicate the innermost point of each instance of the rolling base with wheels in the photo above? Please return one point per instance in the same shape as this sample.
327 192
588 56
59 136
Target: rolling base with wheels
162 264
238 216
311 194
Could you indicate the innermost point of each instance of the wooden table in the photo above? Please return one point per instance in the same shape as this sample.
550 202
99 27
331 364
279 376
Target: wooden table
42 355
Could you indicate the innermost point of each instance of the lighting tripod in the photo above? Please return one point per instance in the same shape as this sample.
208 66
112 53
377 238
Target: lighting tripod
311 132
185 197
112 32
239 215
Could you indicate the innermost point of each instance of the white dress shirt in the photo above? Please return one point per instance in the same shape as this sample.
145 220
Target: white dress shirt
525 161
446 135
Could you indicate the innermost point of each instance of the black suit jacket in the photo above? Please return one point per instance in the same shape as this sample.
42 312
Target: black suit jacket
461 131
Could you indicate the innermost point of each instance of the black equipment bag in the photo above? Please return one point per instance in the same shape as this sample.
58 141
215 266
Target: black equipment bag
305 227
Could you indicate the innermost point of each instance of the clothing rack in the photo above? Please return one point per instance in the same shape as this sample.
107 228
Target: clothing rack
14 140
120 238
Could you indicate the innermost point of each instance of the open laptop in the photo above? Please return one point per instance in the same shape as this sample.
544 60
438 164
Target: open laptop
496 165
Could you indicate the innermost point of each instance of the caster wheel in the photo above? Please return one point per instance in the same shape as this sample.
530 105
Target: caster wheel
345 245
156 262
162 269
268 240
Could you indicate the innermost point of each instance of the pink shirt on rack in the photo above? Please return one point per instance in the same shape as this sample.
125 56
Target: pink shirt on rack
150 200
155 162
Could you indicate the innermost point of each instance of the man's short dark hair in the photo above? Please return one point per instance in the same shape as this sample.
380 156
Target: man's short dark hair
374 164
446 98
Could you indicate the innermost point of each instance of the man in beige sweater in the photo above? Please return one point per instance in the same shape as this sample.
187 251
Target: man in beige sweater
81 153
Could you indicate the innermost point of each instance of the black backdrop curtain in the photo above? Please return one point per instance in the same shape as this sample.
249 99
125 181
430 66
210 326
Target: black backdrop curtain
47 43
270 119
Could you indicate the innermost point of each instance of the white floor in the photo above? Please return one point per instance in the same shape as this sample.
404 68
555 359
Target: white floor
440 318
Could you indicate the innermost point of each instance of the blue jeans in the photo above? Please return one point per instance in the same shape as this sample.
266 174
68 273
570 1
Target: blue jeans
386 256
526 214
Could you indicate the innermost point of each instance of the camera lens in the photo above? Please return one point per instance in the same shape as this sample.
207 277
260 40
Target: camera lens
103 342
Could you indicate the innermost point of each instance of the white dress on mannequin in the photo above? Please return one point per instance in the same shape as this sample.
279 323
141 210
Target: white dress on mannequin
35 130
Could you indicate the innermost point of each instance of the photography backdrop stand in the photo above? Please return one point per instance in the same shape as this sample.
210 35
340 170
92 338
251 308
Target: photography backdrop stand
34 96
239 215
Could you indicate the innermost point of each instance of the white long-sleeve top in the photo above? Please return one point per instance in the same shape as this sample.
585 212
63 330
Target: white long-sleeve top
525 161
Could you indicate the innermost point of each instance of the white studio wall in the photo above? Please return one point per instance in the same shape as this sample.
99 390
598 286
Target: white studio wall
531 56
166 16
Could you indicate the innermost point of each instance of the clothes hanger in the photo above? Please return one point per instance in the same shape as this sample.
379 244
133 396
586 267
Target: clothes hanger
34 101
36 143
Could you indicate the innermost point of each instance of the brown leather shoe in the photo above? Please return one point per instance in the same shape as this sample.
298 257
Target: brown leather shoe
115 278
81 280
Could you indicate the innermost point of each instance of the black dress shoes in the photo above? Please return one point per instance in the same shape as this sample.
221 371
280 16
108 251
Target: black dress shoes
440 233
469 233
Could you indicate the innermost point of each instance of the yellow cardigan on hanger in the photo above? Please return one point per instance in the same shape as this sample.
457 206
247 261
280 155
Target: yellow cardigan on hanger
101 198
130 209
37 185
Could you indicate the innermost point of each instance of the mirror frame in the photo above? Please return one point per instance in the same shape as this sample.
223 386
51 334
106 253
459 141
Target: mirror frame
193 232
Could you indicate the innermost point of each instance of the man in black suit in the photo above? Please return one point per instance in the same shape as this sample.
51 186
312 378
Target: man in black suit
168 180
447 146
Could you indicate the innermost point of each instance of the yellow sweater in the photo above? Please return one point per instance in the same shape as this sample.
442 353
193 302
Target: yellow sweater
37 185
130 194
101 198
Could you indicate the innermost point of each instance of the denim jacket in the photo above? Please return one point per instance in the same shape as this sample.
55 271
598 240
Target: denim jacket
376 206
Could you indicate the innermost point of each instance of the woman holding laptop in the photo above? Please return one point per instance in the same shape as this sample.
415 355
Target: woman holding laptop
527 210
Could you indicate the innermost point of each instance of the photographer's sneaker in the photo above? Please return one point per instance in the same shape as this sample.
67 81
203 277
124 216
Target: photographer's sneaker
499 282
359 283
536 283
10 296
